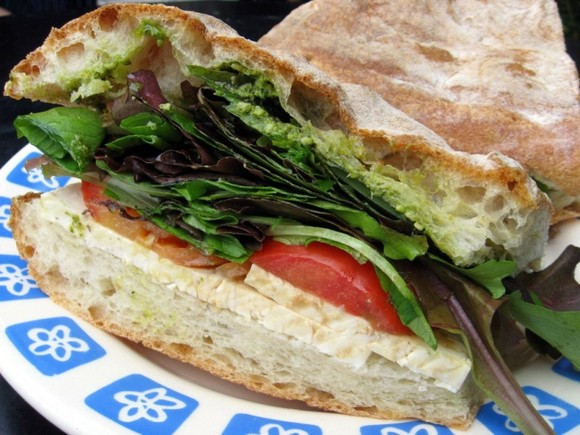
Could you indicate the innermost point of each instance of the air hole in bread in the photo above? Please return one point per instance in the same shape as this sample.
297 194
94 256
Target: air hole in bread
317 394
183 350
315 106
35 66
34 70
107 19
471 194
258 380
285 386
494 204
510 223
71 52
109 291
465 212
402 160
491 244
97 312
207 339
225 360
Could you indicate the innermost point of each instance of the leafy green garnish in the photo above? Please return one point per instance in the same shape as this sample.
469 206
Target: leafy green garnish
68 135
489 274
396 246
147 123
559 328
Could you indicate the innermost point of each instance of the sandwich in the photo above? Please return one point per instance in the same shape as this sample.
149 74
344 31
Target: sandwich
243 212
485 76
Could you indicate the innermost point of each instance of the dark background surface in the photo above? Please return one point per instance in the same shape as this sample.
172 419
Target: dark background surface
25 30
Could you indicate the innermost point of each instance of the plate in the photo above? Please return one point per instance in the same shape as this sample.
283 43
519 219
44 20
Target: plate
87 381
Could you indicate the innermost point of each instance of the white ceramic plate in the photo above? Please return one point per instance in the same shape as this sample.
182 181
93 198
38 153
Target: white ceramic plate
87 381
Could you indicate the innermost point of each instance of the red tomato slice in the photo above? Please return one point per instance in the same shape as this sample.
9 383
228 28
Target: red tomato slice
335 276
106 212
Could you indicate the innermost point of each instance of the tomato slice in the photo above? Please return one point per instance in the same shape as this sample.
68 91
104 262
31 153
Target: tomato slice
335 276
126 223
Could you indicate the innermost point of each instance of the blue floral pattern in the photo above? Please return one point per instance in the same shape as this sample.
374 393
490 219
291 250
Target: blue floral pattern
142 405
5 217
406 428
561 416
245 424
54 345
15 282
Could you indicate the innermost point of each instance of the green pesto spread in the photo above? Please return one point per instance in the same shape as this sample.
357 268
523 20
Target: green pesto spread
76 227
154 29
251 95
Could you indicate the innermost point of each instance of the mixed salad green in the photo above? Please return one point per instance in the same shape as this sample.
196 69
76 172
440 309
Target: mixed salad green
226 166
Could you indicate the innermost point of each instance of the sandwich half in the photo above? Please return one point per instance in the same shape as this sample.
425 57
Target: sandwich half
224 187
485 76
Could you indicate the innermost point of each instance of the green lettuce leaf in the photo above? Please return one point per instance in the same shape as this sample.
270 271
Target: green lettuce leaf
489 275
396 246
559 328
68 135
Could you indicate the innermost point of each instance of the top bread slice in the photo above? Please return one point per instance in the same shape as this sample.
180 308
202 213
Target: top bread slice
474 207
485 75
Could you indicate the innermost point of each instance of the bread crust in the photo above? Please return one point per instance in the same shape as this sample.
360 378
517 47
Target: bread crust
381 128
486 76
55 284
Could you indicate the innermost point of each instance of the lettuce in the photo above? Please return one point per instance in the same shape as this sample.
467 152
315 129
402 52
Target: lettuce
68 135
230 167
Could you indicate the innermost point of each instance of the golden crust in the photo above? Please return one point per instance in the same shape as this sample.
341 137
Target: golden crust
512 98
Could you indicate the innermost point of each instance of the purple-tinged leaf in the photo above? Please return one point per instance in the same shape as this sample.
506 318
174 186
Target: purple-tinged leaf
473 309
555 287
144 84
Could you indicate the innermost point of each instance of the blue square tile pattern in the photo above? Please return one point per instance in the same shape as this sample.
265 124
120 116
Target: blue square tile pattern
142 405
246 424
406 428
560 415
15 282
54 345
4 217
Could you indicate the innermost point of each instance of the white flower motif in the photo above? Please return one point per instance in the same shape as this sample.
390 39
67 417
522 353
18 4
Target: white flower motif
549 412
276 429
150 405
5 216
420 429
16 280
55 342
35 176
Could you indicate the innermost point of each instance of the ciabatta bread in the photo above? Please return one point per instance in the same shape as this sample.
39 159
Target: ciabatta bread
115 284
485 75
474 207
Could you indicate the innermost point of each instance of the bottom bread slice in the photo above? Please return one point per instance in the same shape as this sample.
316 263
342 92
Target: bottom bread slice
100 287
